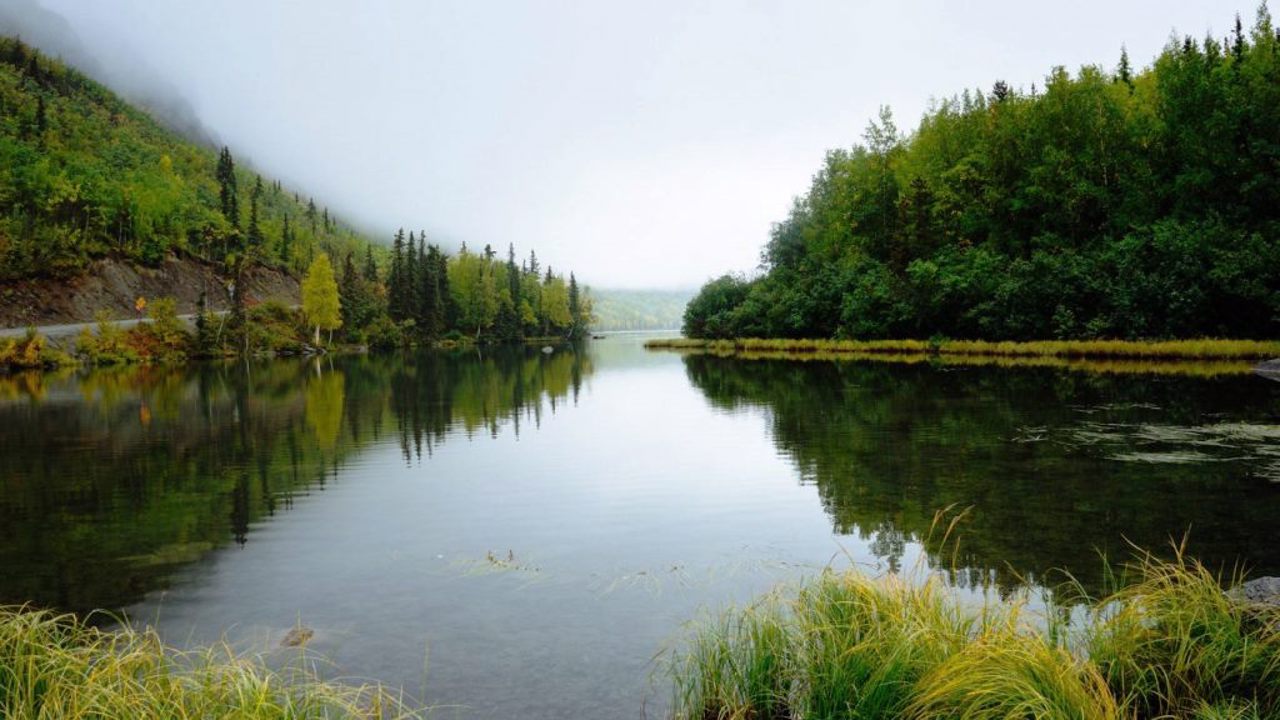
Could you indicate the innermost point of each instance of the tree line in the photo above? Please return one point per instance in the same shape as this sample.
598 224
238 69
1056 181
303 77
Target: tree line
1124 203
428 295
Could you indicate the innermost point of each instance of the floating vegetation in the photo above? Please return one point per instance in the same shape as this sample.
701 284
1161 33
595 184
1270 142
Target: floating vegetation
498 563
1182 444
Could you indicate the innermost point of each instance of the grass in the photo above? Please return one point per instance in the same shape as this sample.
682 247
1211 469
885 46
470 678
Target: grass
1197 349
1169 643
54 666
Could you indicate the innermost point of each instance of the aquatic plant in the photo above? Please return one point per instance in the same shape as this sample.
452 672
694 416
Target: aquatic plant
1168 643
56 666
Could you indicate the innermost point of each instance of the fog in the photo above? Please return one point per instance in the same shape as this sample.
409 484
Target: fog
645 144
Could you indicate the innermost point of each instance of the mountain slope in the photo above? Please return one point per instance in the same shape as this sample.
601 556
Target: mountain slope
85 175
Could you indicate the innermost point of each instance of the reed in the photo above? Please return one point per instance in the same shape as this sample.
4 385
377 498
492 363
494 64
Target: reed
1170 643
55 666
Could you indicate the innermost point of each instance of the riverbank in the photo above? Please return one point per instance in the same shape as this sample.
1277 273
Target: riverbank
56 666
1170 643
1197 349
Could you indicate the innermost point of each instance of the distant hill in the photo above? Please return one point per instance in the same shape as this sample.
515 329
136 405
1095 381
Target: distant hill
86 175
639 309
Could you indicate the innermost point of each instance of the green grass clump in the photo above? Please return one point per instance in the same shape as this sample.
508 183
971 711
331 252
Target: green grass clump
54 666
1173 644
1169 644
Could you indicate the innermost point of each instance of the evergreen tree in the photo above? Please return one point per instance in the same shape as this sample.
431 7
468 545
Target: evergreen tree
1124 73
395 281
370 267
411 281
227 192
255 232
578 326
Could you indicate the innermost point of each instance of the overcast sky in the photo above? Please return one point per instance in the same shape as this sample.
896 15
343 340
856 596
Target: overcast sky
641 144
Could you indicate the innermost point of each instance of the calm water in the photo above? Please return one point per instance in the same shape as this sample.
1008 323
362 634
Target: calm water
519 535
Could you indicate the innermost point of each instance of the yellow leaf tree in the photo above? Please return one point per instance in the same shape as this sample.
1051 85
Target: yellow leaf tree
320 297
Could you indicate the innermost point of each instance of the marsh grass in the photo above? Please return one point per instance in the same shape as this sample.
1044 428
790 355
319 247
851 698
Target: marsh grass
55 666
1167 643
1213 356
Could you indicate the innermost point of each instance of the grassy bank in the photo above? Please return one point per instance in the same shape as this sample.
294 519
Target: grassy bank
1169 644
53 666
1198 349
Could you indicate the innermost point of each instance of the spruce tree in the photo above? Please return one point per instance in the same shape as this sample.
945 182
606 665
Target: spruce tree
410 279
255 232
575 309
227 191
395 282
370 267
1125 72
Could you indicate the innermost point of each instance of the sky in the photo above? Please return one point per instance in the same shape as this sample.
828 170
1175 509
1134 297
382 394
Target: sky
648 144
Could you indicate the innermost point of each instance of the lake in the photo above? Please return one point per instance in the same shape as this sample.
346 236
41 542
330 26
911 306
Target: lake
523 534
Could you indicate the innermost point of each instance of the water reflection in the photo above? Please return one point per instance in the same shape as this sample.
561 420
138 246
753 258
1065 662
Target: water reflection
112 479
1057 467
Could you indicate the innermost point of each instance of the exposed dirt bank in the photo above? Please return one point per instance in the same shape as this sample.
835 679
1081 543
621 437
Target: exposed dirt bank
115 285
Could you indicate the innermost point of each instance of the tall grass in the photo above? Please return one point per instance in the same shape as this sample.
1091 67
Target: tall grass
1168 644
1203 348
54 666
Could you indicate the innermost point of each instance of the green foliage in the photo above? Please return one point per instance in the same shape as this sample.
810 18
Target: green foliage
1135 204
83 175
1171 644
320 300
30 352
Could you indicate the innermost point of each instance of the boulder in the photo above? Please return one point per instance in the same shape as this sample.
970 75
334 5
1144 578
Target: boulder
1261 591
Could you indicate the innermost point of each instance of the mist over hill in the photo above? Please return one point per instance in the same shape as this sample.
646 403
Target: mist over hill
639 309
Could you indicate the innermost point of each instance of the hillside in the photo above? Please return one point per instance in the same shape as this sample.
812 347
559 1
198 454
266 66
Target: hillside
638 309
1110 203
85 176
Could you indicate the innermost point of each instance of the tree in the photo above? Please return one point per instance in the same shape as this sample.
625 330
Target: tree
370 267
227 192
320 300
255 232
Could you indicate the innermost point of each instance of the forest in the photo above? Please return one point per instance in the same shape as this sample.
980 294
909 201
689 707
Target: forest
84 175
1124 203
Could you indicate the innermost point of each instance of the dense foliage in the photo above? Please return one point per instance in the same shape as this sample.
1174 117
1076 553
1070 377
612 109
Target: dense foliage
472 295
1119 204
84 174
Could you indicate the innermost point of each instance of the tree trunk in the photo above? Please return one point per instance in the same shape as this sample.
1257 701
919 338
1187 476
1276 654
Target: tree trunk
317 336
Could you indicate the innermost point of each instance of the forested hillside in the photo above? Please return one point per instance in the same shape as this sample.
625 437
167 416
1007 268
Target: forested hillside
638 309
83 175
1119 203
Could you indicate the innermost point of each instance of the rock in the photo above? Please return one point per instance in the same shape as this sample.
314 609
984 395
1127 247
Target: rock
297 636
1262 591
1269 369
548 349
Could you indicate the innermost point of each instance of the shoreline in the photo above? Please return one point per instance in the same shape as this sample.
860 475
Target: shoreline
1188 349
